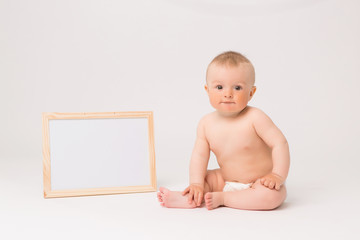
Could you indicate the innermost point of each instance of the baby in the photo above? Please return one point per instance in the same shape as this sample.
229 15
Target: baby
251 151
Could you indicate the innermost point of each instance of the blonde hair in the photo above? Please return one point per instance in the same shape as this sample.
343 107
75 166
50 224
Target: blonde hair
232 59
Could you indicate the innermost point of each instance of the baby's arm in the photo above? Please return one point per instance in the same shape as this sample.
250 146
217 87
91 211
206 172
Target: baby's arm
198 166
274 138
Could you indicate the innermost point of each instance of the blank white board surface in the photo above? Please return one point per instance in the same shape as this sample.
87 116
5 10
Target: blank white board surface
98 153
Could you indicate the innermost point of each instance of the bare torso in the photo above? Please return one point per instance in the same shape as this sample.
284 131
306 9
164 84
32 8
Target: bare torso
241 154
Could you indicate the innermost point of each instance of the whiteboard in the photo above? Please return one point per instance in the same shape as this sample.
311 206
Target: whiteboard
98 153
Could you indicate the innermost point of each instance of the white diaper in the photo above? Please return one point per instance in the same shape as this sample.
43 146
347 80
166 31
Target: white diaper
235 186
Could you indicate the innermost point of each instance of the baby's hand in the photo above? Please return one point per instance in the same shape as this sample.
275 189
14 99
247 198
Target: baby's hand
272 181
196 193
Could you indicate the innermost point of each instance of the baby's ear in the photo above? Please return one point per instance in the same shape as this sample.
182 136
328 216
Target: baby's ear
252 92
206 88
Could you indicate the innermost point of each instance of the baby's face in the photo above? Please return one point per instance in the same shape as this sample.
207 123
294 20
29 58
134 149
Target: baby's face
230 88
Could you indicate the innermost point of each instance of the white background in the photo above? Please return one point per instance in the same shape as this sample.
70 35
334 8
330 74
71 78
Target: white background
95 56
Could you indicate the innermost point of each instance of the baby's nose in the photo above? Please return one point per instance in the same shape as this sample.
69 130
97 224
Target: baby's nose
228 94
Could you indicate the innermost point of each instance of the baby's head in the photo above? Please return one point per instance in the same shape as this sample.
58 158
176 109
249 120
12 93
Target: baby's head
230 79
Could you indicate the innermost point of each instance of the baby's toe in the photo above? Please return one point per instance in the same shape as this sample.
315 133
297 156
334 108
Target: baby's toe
208 201
208 196
164 190
159 196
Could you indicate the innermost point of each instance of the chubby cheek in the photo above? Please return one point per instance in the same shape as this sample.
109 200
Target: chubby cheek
240 98
214 99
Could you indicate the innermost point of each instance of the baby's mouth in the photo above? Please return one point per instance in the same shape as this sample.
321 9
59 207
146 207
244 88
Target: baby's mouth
228 102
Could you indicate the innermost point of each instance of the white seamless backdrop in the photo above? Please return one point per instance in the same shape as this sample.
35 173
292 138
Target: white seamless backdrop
95 56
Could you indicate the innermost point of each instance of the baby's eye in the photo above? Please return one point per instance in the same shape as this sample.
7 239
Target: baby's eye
219 87
238 88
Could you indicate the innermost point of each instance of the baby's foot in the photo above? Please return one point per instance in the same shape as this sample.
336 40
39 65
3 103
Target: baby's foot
213 200
173 199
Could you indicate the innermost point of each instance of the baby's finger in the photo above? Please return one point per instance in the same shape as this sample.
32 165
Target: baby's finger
190 196
278 185
271 184
185 191
196 197
266 183
199 199
262 180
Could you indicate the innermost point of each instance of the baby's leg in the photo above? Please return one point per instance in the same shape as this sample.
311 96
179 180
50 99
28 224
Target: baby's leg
214 182
258 197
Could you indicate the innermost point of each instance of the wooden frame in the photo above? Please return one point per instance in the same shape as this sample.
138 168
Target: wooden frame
51 192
